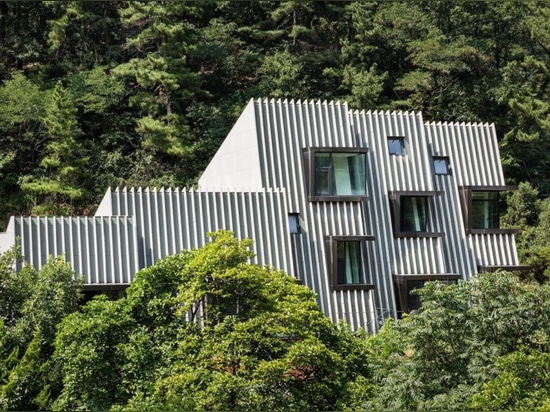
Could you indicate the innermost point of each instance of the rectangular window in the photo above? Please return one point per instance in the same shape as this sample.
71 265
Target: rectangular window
410 213
405 284
396 145
414 210
294 223
481 208
336 173
346 262
348 267
441 165
485 210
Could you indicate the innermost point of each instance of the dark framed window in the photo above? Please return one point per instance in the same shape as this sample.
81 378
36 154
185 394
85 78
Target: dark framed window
485 210
396 145
414 214
441 165
410 214
405 284
294 223
481 208
347 262
336 173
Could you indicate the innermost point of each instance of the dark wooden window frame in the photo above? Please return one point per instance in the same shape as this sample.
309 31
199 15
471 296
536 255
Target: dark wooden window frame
396 212
309 167
332 264
466 205
400 283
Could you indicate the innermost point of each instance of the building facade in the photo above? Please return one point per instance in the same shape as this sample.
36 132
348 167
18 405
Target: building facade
362 207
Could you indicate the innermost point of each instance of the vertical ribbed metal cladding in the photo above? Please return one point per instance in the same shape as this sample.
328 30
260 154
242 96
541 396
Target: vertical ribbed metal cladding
171 220
284 129
410 172
474 160
96 247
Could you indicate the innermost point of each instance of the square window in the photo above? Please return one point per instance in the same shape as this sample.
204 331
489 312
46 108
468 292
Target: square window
481 208
441 165
414 210
346 262
336 174
396 145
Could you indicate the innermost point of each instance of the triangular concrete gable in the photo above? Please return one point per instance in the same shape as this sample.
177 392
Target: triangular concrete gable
236 164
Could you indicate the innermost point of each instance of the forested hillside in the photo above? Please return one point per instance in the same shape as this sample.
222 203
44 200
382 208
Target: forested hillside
113 93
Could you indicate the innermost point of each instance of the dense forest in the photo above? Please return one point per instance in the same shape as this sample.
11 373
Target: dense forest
141 93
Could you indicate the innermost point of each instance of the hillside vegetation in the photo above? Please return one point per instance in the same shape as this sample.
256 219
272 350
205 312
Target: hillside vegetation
261 343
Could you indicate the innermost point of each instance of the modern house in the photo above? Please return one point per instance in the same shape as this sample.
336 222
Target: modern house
362 207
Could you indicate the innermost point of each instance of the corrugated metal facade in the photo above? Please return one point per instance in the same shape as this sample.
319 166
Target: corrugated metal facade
102 249
272 146
284 129
169 221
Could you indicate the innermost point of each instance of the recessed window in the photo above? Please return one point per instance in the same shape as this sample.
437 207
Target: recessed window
485 210
441 165
336 174
396 145
346 262
481 208
410 214
414 211
405 284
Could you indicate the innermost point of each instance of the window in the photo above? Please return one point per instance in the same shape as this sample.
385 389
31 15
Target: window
441 165
336 174
294 223
405 284
396 145
410 213
485 210
481 208
413 213
346 263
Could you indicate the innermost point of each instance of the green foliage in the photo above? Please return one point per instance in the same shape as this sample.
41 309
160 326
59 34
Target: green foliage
63 161
207 330
522 383
32 304
446 352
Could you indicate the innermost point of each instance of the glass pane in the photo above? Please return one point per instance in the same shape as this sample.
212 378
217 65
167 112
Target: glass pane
441 166
349 174
413 300
396 145
323 174
348 256
485 212
294 223
413 213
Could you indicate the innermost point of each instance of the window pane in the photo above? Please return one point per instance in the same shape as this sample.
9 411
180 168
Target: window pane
340 174
441 165
294 223
413 213
323 172
396 145
485 211
413 300
349 174
348 257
